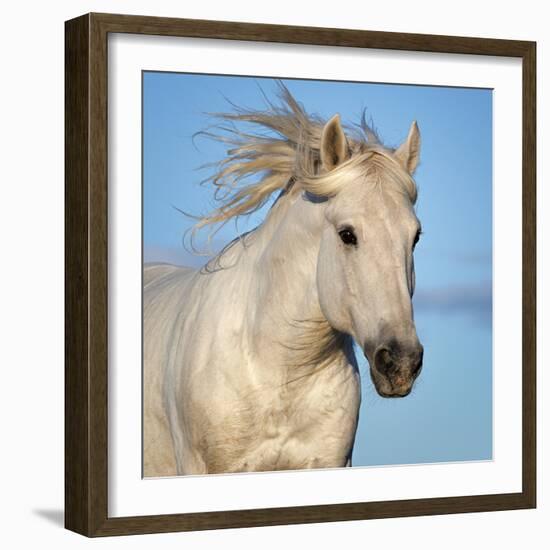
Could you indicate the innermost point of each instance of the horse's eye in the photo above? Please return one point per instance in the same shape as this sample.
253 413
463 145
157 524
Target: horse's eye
348 236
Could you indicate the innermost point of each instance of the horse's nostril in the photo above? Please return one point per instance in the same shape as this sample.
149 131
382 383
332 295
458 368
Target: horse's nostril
383 360
390 358
418 364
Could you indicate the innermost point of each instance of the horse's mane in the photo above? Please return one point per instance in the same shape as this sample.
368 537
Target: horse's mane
278 148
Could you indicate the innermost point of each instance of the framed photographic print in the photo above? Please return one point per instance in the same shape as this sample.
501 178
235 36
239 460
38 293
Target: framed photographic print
300 275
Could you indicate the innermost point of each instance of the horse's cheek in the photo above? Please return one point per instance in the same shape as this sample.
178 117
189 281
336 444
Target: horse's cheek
331 297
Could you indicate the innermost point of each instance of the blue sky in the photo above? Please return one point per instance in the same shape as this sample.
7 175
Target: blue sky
448 417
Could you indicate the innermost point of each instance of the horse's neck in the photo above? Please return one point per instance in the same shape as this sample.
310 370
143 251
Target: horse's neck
284 308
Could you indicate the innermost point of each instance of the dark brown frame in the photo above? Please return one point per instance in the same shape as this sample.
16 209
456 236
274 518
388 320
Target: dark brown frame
86 274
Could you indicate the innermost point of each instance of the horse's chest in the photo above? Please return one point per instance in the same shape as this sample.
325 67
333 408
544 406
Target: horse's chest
302 428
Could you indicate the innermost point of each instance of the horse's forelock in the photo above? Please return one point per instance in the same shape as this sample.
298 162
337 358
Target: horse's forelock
286 148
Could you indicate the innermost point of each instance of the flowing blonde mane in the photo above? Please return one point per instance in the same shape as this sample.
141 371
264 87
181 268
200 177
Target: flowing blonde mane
280 149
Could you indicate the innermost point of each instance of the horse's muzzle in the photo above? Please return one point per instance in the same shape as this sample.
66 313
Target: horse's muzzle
395 367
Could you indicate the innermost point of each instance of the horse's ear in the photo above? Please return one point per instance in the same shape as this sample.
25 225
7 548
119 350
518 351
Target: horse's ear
334 145
408 152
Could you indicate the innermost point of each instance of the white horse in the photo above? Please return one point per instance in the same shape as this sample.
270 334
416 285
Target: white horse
248 362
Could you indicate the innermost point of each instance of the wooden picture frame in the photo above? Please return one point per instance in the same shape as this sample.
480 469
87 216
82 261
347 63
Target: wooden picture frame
86 223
